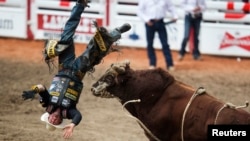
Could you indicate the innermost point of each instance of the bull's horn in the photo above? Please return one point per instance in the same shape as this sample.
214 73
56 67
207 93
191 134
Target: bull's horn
126 62
120 67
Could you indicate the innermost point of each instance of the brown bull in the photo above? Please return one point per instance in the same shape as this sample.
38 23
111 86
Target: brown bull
167 110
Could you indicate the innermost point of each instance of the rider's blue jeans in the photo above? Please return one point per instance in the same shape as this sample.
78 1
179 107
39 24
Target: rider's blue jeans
189 23
68 62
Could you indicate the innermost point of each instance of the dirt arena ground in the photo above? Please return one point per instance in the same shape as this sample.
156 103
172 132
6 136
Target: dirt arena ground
22 66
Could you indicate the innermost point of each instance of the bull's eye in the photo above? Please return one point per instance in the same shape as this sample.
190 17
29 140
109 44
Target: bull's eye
109 79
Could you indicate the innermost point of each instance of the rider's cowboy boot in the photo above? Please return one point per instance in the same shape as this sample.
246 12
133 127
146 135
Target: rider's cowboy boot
99 46
84 2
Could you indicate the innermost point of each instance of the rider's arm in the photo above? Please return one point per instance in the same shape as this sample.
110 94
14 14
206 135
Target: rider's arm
75 115
44 94
41 90
38 88
30 94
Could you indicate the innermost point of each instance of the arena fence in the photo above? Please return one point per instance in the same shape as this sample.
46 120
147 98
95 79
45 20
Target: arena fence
15 18
224 29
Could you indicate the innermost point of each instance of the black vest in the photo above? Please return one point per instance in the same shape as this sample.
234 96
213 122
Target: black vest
64 92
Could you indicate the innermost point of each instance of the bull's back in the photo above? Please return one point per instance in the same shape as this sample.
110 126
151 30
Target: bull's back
206 110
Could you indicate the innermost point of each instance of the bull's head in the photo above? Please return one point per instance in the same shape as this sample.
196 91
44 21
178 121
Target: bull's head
106 85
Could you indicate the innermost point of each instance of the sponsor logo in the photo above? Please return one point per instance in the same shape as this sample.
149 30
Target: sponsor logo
70 96
229 41
56 23
73 92
6 24
99 40
54 93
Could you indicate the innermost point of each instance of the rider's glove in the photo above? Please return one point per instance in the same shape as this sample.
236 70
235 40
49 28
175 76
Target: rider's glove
28 94
31 93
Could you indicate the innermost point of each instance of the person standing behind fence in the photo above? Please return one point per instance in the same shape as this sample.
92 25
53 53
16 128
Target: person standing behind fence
153 13
193 17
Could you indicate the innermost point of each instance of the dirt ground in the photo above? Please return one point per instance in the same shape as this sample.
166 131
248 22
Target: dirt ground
22 66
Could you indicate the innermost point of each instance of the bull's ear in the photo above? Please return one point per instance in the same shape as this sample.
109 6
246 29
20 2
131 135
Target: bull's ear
119 70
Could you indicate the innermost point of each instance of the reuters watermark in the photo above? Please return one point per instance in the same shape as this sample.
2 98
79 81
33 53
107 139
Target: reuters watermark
235 132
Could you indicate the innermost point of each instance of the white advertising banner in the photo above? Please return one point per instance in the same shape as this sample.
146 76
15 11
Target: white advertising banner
13 22
50 26
51 15
225 39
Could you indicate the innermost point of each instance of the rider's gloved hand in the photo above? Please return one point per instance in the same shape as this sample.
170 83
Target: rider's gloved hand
28 94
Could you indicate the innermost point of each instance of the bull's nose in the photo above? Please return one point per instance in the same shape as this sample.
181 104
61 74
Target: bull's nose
94 92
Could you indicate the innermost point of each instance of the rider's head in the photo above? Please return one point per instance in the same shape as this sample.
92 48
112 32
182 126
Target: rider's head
53 120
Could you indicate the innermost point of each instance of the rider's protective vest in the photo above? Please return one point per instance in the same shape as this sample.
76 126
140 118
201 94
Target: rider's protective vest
64 92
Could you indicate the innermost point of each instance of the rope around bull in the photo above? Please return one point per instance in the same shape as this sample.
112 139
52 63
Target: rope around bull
143 126
229 105
199 91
